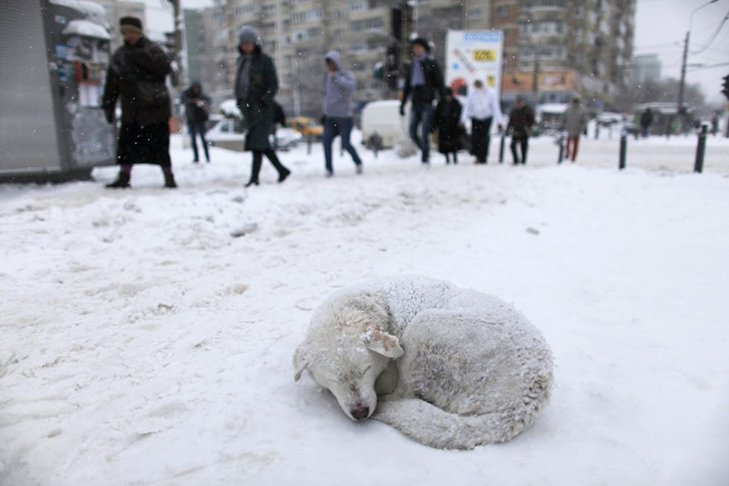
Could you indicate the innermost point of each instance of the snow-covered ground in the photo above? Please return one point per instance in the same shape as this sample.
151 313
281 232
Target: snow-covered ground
146 335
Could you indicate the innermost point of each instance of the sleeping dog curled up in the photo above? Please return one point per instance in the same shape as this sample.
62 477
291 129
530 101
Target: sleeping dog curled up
450 368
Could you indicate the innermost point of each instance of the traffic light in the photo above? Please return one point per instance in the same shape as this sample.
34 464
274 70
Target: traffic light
725 90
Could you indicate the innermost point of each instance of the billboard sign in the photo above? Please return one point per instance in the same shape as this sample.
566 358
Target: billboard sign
472 54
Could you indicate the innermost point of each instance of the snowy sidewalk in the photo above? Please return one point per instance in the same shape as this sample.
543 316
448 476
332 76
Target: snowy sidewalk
146 334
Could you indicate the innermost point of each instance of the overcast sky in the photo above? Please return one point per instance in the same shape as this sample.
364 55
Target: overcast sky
661 27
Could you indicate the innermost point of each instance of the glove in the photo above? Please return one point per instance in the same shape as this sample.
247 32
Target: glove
402 110
109 114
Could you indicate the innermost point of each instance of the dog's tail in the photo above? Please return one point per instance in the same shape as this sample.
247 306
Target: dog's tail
435 427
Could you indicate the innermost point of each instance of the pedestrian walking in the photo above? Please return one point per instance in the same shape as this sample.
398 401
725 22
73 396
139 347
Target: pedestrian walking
197 113
575 121
337 89
136 78
482 107
521 121
423 85
646 120
447 122
256 84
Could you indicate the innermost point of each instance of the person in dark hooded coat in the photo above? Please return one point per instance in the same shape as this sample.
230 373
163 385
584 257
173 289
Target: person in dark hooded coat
446 121
197 109
255 87
136 77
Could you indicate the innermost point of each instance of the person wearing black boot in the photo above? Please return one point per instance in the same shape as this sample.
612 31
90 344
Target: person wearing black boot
256 84
136 77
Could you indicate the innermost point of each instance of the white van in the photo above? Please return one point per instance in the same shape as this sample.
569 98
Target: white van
384 118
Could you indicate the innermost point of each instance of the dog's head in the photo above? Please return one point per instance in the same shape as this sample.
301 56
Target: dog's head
348 364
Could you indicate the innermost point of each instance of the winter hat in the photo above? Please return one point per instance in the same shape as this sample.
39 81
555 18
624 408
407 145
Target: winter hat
130 24
421 41
249 34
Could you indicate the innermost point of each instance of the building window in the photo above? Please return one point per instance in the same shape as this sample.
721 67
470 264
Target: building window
358 5
503 11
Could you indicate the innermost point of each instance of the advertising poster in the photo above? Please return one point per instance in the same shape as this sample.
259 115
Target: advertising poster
471 54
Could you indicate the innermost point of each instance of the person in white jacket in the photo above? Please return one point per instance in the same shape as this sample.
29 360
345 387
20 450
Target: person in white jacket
482 107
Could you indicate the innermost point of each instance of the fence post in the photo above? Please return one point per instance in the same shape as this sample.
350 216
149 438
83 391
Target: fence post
501 150
561 148
623 148
700 151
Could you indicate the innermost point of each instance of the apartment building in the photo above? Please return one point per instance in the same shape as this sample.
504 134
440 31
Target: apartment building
554 48
298 33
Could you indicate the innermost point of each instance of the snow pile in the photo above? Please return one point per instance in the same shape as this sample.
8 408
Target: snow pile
146 335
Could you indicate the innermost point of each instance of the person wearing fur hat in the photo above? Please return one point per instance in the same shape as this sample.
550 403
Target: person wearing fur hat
423 85
136 78
255 87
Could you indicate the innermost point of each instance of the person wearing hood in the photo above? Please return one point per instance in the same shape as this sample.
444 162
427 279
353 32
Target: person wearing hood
575 121
423 84
337 89
482 107
197 109
256 84
136 78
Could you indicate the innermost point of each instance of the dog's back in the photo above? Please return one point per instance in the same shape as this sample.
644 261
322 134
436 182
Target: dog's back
475 370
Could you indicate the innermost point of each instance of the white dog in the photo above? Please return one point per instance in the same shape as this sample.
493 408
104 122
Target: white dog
453 368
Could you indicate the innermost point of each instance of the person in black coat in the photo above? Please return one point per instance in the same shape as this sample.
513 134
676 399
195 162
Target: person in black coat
521 121
446 121
424 84
197 112
136 77
646 120
256 84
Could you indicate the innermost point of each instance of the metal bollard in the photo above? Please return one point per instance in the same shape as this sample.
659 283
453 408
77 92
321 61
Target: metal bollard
501 149
561 149
623 148
308 144
700 151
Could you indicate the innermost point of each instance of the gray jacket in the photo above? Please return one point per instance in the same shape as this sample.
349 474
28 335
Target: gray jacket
337 89
575 120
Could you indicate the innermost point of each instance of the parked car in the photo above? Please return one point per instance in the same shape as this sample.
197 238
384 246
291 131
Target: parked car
228 134
287 138
306 126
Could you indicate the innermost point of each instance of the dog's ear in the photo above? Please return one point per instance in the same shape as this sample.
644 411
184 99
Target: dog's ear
301 361
382 343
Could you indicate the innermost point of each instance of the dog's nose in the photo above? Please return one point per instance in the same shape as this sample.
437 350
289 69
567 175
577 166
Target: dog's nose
360 413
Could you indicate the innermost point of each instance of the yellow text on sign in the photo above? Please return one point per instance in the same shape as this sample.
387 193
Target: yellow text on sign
484 55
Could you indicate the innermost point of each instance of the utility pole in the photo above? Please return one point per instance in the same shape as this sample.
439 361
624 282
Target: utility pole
178 38
683 74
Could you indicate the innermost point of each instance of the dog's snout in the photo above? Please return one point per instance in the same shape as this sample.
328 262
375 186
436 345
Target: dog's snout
361 412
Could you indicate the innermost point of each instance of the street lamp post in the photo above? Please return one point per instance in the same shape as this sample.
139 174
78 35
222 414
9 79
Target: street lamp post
685 57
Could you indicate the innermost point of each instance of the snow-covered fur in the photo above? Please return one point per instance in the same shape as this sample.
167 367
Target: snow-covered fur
452 368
